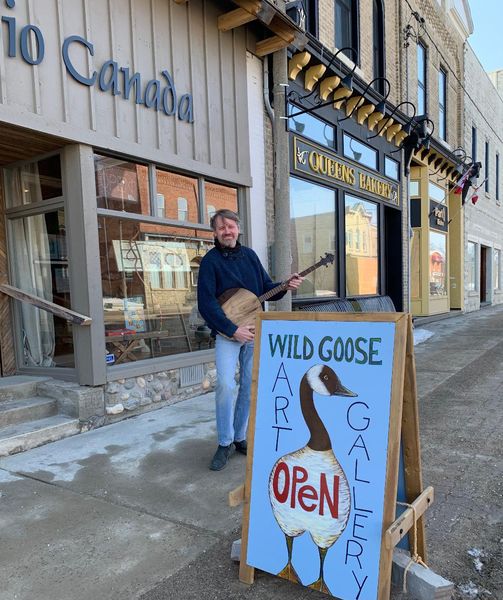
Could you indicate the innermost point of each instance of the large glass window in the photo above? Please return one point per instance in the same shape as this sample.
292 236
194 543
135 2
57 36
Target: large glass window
346 26
362 247
391 168
471 266
438 264
359 152
442 104
311 127
33 182
421 79
39 261
436 192
150 270
313 233
497 269
122 185
497 176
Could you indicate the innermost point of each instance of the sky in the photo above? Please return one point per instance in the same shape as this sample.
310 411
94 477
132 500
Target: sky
486 39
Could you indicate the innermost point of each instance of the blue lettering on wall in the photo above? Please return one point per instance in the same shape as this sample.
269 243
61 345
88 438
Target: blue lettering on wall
157 95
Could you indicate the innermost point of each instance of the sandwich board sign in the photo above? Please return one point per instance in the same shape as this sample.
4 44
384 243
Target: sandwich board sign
324 447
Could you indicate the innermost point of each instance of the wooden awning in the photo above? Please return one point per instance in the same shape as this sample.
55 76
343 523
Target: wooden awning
284 32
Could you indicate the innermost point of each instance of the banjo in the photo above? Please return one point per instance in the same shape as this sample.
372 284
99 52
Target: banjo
241 306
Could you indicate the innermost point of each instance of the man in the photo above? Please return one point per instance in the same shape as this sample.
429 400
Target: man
230 265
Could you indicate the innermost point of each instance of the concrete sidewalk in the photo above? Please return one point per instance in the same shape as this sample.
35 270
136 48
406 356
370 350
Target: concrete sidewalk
131 510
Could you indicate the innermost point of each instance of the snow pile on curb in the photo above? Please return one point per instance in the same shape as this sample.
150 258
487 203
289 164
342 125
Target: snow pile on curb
421 335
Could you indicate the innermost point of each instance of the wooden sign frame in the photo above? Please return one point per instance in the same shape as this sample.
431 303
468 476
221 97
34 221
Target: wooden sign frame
403 432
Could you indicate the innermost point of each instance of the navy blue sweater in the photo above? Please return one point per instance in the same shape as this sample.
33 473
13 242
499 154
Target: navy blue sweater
222 269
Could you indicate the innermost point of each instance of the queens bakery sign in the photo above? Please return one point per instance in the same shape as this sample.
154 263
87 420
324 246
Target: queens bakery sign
157 94
320 164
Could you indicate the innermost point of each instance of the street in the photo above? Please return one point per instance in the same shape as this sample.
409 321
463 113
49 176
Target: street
131 511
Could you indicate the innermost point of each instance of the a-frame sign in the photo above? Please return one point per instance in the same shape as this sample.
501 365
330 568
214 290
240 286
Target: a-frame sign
333 406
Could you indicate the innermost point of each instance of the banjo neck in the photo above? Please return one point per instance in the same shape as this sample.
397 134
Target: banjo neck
282 286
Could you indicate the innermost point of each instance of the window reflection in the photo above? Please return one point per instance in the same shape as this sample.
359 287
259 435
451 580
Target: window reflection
361 226
313 233
149 270
33 182
436 192
391 168
121 185
471 255
497 269
438 264
359 152
311 127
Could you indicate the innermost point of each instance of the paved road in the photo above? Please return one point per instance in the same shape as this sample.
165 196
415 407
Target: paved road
131 511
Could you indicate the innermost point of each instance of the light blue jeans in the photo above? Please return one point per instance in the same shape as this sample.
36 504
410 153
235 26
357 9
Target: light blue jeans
232 418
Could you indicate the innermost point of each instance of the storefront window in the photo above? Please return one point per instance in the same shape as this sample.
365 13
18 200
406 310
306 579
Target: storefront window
414 188
313 233
33 182
415 264
40 267
150 270
497 269
311 127
362 265
391 168
436 192
122 185
361 153
471 265
438 264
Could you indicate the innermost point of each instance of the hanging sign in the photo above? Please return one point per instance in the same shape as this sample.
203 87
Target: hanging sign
324 443
438 216
331 168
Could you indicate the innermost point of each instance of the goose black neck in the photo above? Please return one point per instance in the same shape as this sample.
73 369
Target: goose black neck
319 439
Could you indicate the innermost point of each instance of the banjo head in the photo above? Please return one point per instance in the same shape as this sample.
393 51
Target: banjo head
242 307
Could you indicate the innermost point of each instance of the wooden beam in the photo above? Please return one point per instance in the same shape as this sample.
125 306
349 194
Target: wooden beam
373 119
235 18
363 112
312 76
55 309
393 130
237 496
399 137
181 1
397 530
297 63
353 103
270 45
341 93
328 85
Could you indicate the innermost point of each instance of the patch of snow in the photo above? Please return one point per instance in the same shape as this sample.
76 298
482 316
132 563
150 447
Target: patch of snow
470 590
421 335
476 553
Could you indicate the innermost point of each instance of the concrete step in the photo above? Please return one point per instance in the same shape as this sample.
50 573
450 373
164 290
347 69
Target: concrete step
19 386
20 437
26 409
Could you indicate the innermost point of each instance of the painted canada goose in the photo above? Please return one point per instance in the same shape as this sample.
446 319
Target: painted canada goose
308 489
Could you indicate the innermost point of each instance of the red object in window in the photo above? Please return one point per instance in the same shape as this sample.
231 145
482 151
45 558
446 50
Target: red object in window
474 199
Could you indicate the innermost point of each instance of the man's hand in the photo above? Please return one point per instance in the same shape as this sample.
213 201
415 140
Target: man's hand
294 281
245 333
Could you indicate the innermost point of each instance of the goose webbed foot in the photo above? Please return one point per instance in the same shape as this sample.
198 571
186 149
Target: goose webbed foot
288 572
320 586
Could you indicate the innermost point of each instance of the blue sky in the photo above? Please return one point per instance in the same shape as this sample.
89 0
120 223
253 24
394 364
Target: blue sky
486 39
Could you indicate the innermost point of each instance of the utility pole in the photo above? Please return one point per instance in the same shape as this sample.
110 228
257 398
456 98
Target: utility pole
282 242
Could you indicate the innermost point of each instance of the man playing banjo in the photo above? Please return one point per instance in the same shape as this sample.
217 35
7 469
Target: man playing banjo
226 267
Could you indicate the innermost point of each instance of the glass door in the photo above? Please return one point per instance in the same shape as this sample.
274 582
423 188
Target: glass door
38 260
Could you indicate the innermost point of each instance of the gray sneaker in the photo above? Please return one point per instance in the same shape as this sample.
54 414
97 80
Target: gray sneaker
221 457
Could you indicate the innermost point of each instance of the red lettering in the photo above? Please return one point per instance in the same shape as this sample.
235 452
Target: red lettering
308 492
286 486
295 480
283 495
333 503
